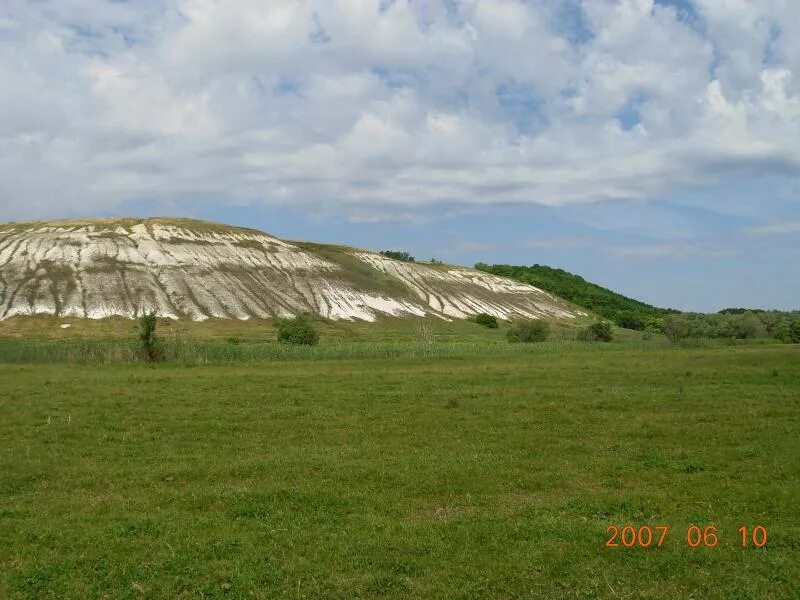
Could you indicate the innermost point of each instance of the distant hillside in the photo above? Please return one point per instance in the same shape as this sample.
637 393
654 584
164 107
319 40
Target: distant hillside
183 268
624 311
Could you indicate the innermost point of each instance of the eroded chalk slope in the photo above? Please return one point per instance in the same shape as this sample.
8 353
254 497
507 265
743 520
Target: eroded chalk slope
198 270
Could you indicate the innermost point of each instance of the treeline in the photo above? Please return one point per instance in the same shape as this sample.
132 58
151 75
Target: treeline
739 323
751 324
398 255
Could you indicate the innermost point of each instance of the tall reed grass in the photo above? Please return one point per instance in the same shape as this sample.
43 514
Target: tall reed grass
203 352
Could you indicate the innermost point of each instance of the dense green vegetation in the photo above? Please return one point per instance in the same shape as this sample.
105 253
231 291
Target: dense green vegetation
748 325
460 477
577 290
737 323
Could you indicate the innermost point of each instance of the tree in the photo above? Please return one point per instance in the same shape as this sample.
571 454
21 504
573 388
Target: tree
486 320
748 326
298 330
151 347
534 330
676 327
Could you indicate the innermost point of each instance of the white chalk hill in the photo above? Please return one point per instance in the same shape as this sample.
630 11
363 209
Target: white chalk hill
184 268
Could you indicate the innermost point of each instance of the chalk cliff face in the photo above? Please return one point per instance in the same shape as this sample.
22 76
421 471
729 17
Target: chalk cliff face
193 269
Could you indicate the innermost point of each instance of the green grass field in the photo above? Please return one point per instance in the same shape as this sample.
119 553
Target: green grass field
488 475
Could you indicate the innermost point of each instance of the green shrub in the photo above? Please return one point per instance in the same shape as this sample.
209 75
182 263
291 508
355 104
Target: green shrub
150 345
534 330
597 332
298 331
794 332
486 320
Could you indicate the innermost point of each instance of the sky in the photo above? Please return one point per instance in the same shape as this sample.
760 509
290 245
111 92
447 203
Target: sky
651 146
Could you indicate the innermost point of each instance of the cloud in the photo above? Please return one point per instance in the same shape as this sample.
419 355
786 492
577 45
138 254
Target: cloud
782 228
461 247
565 243
685 249
377 107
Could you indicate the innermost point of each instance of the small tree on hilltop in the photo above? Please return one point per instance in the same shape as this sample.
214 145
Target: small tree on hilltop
397 255
151 348
299 330
534 330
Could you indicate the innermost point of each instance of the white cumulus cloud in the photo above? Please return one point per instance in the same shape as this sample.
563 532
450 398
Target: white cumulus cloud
368 105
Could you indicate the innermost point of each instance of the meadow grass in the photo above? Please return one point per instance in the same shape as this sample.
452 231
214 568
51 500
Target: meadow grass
205 352
387 329
40 339
484 475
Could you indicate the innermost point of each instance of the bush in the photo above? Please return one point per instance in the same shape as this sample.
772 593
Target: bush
486 320
534 330
298 331
151 347
596 332
794 332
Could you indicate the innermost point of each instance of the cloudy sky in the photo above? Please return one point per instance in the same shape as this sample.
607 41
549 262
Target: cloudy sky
651 146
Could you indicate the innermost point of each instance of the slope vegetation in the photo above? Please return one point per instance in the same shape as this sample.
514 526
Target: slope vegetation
576 289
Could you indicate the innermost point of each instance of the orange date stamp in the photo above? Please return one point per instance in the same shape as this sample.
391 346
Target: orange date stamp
646 536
